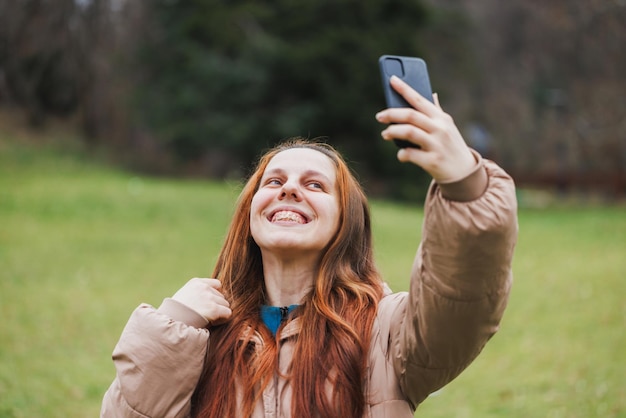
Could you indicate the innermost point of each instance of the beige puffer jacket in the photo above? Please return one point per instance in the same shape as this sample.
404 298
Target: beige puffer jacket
420 340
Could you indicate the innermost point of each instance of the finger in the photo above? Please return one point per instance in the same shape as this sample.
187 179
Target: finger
415 99
412 155
205 285
219 299
207 282
404 155
213 306
216 284
406 115
220 312
197 290
410 133
436 100
220 318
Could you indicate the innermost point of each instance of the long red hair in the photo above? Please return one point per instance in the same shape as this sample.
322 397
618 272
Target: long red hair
338 313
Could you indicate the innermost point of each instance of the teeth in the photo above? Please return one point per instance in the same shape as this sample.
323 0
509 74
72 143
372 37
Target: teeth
288 216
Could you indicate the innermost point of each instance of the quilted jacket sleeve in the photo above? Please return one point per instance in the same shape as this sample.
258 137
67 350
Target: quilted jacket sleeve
158 360
460 281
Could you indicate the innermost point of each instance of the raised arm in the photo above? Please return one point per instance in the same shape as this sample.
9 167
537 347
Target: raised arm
461 276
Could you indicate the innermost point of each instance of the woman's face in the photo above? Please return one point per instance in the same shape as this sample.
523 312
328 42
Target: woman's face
296 208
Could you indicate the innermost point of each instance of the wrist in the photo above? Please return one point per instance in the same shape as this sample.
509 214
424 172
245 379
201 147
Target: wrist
178 311
470 186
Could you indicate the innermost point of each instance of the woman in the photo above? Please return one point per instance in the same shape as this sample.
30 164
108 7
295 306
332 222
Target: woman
297 321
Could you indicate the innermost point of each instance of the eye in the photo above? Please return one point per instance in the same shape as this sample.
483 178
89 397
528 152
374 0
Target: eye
273 182
315 185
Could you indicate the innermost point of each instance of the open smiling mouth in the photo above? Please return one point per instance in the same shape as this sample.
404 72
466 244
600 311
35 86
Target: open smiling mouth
288 216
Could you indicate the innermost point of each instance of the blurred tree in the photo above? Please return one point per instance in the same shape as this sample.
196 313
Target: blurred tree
38 64
548 83
55 59
539 86
233 77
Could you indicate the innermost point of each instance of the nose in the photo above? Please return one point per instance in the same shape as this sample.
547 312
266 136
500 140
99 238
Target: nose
290 190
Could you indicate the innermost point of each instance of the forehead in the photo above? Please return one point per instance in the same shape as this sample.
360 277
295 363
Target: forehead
302 160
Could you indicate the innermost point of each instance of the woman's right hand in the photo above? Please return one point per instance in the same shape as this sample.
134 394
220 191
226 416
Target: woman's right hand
204 297
442 150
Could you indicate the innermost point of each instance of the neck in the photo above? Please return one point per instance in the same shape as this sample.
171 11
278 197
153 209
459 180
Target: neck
287 281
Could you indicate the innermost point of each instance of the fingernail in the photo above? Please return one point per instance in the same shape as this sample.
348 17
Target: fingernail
379 116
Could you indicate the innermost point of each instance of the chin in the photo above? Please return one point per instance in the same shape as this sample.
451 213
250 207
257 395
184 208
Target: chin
288 246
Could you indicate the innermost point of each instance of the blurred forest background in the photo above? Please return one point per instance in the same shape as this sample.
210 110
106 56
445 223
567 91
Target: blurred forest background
200 87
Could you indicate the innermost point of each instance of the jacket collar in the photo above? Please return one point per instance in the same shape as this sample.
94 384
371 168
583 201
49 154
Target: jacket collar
291 329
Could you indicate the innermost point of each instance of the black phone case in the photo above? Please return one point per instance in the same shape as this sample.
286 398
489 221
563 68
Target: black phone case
412 71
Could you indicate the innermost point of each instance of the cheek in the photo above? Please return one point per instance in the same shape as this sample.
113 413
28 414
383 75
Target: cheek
258 203
333 213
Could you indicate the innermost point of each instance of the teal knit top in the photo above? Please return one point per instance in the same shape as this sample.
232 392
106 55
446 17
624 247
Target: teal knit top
273 316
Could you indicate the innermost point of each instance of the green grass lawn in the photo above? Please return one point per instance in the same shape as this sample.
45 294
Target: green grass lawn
82 244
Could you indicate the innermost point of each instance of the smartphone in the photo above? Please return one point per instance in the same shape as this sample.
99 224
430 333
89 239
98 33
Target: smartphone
412 71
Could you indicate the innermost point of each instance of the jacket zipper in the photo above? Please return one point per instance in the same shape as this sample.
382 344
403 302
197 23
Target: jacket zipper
284 311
